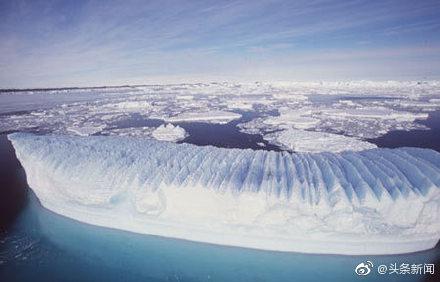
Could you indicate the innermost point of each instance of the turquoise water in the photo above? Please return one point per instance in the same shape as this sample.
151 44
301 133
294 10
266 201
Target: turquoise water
43 246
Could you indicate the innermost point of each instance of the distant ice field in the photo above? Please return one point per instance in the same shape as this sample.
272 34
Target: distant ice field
268 116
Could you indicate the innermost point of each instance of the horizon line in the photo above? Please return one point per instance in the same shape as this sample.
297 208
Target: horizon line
13 89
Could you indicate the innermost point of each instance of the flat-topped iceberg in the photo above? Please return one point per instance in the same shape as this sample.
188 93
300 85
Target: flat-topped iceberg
378 201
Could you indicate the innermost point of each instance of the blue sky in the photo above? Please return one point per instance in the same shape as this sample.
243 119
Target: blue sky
75 43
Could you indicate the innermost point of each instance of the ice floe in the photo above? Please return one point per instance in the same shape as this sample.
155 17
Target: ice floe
309 141
169 132
298 119
85 130
213 116
144 131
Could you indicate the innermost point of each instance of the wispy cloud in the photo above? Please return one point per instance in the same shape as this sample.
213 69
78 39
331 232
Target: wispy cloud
56 43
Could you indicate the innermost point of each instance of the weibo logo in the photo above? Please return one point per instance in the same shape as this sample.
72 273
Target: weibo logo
364 268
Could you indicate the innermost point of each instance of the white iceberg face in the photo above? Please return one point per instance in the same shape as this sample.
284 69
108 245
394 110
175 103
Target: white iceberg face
378 201
169 133
309 141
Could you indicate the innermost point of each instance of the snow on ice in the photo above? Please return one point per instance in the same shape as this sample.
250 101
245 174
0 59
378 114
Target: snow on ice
310 141
169 133
213 116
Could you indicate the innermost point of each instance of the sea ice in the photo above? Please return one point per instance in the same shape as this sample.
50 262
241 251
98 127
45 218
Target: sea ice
144 131
345 116
169 132
298 119
213 116
376 113
132 105
310 141
240 104
378 201
85 130
362 109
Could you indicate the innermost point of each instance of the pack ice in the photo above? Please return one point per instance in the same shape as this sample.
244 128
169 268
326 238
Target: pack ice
378 201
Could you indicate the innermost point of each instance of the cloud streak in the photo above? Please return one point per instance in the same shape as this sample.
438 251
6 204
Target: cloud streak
72 43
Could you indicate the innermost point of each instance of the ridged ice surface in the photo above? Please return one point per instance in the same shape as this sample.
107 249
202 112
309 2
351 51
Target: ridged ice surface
373 201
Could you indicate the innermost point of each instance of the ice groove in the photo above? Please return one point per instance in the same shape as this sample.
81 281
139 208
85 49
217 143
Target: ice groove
399 171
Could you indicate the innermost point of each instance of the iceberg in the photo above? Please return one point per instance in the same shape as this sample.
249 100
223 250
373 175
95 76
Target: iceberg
377 201
169 132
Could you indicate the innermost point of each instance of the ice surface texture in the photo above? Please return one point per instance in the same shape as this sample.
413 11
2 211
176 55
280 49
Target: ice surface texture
310 141
378 201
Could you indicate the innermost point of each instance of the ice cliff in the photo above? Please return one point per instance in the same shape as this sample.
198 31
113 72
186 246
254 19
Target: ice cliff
378 201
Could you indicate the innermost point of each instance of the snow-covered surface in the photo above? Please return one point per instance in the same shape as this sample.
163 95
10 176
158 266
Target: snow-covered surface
298 119
310 141
169 132
379 201
205 116
85 130
242 104
144 131
369 119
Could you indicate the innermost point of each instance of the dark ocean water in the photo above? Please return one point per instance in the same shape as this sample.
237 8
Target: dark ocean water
414 138
226 135
38 245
